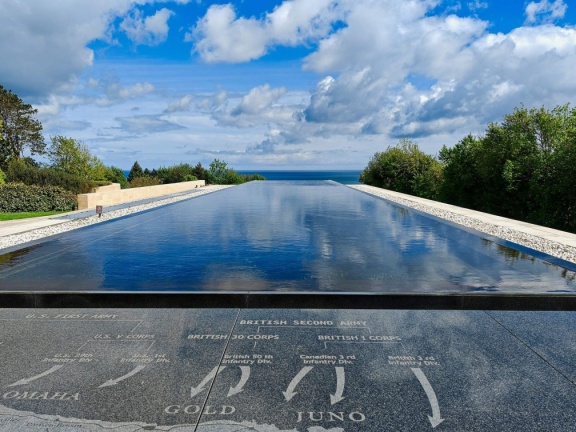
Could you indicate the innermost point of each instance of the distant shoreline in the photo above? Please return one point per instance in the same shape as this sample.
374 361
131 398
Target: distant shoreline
339 176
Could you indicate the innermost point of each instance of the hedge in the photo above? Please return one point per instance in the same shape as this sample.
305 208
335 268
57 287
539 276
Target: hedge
18 197
144 181
19 172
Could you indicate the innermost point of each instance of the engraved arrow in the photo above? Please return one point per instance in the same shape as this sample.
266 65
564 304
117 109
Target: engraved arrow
436 419
340 381
197 390
43 374
289 393
243 380
123 377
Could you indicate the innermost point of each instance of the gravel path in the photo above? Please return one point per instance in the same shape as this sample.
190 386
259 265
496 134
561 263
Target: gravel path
28 236
550 247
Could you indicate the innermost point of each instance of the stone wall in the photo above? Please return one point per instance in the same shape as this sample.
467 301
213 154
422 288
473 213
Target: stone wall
112 194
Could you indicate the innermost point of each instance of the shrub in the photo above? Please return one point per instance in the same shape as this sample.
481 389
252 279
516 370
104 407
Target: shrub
144 181
99 183
2 177
232 177
20 172
404 168
18 197
252 177
176 173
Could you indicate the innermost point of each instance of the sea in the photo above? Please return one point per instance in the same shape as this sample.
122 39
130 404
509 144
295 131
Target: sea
339 176
343 176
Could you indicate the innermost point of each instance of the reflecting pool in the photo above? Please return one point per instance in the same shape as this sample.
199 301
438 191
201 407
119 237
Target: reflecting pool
280 236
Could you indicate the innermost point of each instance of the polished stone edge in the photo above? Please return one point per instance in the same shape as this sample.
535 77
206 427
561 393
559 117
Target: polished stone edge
272 300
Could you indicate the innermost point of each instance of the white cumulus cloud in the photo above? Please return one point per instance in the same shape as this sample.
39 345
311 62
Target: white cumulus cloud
258 99
396 69
114 92
260 106
151 30
43 45
181 104
222 36
545 11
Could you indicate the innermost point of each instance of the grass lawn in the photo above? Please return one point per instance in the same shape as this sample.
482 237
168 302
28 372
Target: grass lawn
12 216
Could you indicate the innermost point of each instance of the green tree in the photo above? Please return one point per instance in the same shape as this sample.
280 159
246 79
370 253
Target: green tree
523 168
20 130
135 172
554 179
218 170
404 168
460 174
116 175
201 173
73 157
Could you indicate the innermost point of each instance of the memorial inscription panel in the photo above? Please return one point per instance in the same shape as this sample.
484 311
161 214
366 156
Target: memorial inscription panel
277 371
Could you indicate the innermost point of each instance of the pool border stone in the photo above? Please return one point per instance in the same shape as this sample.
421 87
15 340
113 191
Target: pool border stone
293 300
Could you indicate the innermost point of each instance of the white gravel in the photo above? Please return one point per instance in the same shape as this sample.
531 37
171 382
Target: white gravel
550 247
28 236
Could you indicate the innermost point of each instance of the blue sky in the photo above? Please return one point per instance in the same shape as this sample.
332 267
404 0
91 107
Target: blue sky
294 84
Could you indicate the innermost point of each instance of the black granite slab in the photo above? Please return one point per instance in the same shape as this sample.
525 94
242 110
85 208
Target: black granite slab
544 332
271 300
112 366
285 370
393 370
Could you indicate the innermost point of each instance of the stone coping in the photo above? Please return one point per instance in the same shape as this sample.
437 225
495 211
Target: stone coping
290 300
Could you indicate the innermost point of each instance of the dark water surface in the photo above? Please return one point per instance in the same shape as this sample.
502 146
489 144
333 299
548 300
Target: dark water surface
281 236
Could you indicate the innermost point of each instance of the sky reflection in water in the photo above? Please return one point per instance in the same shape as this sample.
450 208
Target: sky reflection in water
282 236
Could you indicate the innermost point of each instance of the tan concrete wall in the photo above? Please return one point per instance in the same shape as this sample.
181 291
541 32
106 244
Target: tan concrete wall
112 194
108 188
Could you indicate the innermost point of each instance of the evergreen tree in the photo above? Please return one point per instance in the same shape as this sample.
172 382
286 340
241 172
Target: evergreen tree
135 172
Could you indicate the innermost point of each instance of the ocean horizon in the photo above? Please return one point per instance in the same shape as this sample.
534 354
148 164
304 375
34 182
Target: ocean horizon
339 176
